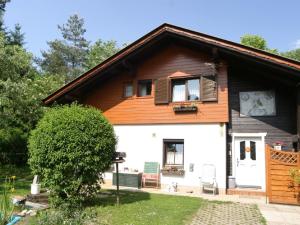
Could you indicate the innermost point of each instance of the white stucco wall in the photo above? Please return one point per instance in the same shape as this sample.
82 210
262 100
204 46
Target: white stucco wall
203 143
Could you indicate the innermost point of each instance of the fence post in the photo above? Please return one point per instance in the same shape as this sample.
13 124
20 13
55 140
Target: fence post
298 160
267 158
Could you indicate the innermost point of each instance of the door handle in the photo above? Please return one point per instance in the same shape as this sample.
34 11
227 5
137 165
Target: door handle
237 162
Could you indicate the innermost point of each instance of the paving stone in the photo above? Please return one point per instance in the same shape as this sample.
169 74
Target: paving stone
228 214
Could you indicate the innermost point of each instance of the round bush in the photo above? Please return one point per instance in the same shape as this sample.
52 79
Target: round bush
70 148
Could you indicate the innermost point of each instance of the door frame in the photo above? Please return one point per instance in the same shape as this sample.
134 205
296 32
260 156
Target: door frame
262 161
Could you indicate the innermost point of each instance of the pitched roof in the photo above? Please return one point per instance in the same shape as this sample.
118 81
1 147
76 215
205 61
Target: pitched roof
182 32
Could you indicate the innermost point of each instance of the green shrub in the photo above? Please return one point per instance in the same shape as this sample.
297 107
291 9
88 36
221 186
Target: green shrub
6 205
70 148
64 216
13 146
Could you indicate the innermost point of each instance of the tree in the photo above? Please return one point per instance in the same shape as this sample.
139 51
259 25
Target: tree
2 11
254 41
16 37
258 42
20 102
15 62
54 61
100 51
79 144
20 109
293 54
67 57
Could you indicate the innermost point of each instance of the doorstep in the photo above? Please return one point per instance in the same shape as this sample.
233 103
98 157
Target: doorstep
246 192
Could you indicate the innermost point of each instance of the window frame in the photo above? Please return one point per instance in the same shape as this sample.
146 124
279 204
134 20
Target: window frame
138 88
124 89
185 79
173 141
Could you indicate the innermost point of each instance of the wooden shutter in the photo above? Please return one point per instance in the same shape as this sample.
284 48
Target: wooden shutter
162 91
209 87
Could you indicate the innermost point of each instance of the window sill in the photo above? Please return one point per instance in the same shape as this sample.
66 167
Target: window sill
128 98
186 102
143 97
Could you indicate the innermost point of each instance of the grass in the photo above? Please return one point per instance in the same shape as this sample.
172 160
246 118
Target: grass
144 208
262 219
136 208
22 181
139 208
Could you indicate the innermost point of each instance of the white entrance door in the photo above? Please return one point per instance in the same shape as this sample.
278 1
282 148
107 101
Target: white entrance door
248 160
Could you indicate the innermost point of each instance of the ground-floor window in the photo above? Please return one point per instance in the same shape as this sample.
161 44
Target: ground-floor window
173 152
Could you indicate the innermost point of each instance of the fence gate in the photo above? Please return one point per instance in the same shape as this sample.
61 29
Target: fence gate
280 186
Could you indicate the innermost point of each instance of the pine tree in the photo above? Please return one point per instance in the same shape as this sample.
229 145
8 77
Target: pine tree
2 11
67 57
16 37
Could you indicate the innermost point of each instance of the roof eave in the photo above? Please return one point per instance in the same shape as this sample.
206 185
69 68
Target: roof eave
214 41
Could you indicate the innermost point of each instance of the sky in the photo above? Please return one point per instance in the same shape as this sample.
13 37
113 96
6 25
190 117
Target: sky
127 20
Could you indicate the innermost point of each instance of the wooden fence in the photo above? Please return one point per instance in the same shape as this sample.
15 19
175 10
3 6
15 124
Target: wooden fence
280 186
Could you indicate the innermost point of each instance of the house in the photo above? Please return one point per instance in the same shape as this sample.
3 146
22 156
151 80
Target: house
185 99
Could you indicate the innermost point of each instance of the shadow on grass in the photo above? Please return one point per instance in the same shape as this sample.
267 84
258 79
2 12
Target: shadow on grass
109 197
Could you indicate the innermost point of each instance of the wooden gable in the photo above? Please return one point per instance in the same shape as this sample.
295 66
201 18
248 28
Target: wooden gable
171 62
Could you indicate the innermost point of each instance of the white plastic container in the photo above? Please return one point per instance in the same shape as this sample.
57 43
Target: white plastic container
35 189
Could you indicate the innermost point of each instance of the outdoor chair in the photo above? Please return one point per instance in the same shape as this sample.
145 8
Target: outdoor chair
208 178
151 174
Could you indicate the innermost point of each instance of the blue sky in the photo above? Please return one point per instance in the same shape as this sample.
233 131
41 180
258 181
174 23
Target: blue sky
127 20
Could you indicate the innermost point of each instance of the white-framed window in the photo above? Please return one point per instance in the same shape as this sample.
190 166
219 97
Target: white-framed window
186 90
173 152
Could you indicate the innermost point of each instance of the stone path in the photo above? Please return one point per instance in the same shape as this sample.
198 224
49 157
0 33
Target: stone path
274 214
228 214
277 214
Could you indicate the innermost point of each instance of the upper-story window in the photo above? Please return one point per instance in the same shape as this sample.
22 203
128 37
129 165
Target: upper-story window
144 88
195 88
128 90
186 90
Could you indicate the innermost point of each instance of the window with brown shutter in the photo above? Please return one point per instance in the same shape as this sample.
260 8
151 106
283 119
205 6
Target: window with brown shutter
186 89
162 91
209 90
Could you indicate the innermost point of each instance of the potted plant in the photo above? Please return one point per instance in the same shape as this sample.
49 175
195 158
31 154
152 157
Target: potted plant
278 145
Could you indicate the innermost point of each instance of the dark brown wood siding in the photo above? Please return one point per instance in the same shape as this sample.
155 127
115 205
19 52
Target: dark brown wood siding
171 62
281 127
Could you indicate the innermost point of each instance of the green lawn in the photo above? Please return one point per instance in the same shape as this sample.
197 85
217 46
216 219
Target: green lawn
137 208
22 181
144 208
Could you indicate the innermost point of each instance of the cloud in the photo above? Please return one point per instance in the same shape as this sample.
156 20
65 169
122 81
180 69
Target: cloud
297 44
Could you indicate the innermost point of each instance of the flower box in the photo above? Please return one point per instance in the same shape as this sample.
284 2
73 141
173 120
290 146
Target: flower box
278 145
172 171
185 108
